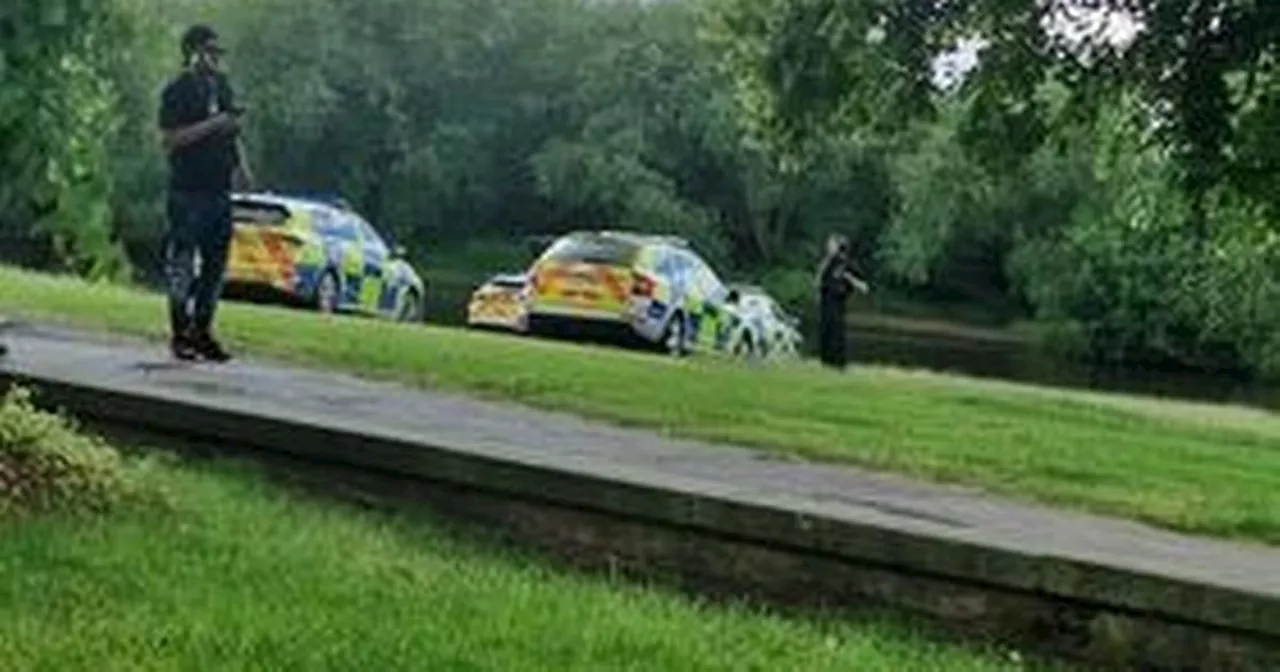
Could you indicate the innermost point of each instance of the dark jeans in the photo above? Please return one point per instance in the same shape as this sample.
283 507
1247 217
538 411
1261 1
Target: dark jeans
831 334
195 255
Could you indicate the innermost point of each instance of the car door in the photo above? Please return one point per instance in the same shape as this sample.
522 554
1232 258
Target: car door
687 294
674 270
374 286
713 323
343 251
694 286
653 305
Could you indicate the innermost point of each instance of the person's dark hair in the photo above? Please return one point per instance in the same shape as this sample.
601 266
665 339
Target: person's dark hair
194 37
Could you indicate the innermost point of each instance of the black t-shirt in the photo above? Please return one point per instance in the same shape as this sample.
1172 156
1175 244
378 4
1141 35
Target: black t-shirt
832 283
206 164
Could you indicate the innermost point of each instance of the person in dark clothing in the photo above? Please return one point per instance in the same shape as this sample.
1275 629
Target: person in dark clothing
835 282
200 122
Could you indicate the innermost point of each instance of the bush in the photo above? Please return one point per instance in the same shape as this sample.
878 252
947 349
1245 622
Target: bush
46 465
1131 280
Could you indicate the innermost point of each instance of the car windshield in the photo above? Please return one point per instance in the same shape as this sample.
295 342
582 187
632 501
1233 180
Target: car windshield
593 250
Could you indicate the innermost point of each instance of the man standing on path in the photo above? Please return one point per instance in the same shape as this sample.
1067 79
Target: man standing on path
835 281
200 122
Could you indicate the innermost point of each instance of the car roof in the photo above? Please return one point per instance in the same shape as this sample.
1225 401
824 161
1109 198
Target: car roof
633 237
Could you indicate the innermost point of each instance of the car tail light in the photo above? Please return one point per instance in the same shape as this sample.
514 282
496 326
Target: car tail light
642 285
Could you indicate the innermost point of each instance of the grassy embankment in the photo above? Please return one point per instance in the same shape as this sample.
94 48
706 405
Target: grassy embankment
1196 467
159 565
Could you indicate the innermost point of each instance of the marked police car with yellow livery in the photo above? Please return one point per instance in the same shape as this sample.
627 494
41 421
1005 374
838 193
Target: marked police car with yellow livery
764 328
499 303
321 254
654 288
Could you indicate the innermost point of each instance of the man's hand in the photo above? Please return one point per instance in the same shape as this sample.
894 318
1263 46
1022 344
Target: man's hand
218 123
225 122
857 283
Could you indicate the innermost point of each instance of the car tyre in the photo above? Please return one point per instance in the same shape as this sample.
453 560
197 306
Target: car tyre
675 337
410 307
327 293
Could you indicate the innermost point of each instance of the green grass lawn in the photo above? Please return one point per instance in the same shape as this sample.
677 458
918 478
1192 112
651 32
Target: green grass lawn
238 573
1195 467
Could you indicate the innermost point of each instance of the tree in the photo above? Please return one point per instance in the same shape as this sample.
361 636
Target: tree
803 65
55 107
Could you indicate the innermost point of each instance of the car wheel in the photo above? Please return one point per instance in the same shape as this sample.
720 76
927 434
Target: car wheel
745 347
410 307
327 293
675 337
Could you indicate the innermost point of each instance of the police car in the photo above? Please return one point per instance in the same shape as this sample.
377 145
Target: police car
319 253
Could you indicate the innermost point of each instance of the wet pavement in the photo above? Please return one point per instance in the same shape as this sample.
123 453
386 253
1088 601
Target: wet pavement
571 444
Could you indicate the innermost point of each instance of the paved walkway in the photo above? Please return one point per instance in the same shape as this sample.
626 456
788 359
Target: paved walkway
571 444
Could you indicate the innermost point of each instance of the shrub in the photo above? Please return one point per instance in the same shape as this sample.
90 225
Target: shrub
46 465
1132 280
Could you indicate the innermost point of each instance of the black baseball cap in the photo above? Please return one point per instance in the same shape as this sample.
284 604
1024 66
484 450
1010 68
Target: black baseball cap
198 36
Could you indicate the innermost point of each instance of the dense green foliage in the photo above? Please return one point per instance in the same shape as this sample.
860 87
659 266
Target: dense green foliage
56 103
1128 206
1109 164
46 466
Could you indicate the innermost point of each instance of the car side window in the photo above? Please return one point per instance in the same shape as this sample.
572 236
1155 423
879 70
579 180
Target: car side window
667 264
715 288
371 236
708 282
686 271
332 224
